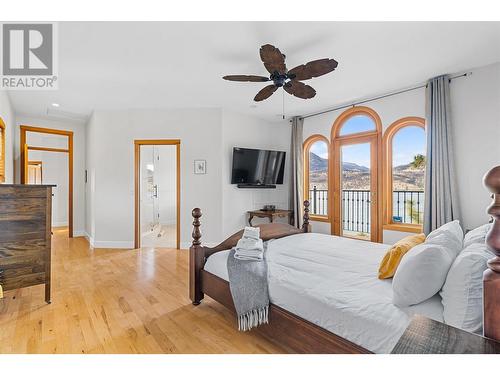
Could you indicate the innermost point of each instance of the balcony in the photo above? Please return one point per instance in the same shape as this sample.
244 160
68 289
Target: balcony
408 207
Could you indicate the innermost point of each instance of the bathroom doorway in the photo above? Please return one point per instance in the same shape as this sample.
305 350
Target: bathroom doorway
157 193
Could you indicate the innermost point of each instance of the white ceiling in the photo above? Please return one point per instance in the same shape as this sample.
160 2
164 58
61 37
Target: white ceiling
107 65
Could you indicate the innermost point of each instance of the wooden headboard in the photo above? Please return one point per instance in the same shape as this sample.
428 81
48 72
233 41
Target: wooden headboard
198 253
491 277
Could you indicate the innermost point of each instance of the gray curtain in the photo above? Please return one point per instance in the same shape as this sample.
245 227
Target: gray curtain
441 201
296 175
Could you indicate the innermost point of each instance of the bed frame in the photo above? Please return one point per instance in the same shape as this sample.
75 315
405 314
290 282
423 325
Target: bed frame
298 334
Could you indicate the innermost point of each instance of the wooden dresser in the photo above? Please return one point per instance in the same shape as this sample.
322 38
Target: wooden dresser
25 236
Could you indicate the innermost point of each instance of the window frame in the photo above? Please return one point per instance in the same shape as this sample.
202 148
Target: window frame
306 146
337 141
2 153
388 138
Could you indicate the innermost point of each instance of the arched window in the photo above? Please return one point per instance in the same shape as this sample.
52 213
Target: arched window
404 173
316 176
355 137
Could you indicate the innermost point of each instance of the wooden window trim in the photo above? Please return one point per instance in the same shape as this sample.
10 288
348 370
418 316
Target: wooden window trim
375 138
305 147
351 112
2 154
389 134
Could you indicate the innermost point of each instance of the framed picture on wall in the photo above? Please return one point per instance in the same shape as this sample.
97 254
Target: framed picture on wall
200 167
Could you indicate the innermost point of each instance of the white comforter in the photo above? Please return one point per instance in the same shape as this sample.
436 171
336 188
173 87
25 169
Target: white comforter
332 282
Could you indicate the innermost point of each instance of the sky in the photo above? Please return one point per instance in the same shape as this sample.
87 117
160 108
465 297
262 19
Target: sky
407 143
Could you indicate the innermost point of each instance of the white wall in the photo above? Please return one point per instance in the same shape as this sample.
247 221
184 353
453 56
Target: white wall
54 171
7 115
79 147
206 134
475 102
110 163
167 184
244 131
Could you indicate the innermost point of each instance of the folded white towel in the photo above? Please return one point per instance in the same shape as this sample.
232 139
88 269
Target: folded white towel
249 252
251 232
246 257
249 244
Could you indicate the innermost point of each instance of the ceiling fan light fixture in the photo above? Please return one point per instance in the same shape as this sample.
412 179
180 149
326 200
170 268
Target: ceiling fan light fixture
290 80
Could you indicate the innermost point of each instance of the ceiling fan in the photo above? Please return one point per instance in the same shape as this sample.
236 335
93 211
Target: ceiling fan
290 80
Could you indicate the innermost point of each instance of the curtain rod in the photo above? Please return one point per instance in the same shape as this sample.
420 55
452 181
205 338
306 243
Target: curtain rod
353 104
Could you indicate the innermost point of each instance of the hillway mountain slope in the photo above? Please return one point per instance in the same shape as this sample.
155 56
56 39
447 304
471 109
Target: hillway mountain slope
357 177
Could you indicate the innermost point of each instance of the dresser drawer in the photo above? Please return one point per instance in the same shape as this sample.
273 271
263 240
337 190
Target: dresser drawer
23 209
23 192
12 248
22 281
22 269
17 259
21 230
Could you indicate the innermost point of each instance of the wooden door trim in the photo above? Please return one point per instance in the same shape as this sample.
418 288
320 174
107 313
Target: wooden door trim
375 138
24 161
137 165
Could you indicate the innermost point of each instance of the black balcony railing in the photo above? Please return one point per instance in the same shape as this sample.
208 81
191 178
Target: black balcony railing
356 211
407 206
319 201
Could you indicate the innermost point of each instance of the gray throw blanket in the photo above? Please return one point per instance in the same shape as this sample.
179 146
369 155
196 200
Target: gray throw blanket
248 284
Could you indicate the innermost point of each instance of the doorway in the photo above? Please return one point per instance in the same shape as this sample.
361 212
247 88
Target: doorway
35 172
50 151
355 144
356 188
157 193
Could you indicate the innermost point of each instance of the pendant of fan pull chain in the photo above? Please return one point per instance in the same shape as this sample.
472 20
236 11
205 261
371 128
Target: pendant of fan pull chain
290 80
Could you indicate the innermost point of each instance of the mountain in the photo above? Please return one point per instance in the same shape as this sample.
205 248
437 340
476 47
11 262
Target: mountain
353 167
357 177
318 164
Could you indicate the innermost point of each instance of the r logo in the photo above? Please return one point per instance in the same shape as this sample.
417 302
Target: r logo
27 49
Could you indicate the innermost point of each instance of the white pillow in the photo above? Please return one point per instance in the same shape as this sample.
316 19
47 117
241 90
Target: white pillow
421 274
462 294
477 235
450 236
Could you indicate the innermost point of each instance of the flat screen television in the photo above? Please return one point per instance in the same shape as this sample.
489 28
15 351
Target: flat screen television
264 168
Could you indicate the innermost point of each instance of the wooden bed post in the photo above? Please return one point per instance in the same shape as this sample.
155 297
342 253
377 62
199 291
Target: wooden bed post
305 226
491 277
196 259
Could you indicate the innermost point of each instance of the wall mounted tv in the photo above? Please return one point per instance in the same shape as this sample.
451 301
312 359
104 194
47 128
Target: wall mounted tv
257 168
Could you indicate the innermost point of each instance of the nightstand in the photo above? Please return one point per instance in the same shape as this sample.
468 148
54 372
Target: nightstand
427 336
271 215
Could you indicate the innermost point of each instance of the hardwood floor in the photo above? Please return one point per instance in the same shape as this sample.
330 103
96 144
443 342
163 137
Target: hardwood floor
119 301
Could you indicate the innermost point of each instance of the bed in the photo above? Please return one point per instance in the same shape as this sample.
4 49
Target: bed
324 291
318 277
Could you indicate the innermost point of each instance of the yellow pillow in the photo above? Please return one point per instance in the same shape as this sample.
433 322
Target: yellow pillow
391 260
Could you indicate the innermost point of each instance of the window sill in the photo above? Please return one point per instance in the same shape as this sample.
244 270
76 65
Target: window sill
410 228
324 219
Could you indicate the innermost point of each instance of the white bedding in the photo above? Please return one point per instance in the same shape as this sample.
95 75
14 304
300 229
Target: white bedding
332 282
